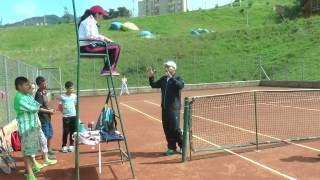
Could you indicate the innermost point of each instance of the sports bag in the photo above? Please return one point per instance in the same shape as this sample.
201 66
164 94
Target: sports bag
15 139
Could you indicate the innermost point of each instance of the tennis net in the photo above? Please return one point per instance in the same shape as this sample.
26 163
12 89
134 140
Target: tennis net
252 118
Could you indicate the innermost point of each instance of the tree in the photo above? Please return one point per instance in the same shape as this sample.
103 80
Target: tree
112 14
289 12
120 12
124 12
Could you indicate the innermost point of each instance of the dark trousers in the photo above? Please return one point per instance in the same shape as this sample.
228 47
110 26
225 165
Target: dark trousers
171 127
69 127
113 51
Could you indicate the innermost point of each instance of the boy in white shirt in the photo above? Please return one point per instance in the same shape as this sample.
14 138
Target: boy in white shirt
67 106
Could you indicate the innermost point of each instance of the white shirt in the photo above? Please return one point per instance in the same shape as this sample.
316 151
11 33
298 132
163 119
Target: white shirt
124 80
68 102
88 29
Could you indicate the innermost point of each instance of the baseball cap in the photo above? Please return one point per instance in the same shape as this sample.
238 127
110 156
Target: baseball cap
99 9
171 63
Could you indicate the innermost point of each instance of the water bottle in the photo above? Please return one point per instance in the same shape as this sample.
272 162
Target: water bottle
90 125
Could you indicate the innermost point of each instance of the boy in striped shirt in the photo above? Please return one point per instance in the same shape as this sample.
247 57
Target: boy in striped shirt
27 117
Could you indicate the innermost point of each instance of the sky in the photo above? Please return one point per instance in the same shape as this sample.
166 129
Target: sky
16 10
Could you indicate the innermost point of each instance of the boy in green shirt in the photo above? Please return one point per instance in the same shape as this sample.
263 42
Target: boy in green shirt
27 117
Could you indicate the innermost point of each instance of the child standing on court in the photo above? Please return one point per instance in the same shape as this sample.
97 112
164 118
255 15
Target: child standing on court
26 109
45 112
36 167
124 86
67 106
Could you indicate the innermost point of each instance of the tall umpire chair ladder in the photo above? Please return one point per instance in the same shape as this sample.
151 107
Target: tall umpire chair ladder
111 98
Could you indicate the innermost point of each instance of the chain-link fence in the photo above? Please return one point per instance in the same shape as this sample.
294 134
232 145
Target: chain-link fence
194 70
9 70
54 79
205 69
294 69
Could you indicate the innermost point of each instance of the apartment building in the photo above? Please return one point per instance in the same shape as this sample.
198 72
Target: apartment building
160 7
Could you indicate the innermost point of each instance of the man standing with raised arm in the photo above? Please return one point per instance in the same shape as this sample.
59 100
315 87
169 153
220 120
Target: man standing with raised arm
171 85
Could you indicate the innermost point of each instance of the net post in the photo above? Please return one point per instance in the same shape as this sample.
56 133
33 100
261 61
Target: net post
256 119
185 128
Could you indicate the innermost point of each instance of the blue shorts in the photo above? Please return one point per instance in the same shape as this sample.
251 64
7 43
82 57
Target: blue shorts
47 129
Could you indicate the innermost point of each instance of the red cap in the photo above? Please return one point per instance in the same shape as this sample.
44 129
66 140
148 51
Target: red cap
98 9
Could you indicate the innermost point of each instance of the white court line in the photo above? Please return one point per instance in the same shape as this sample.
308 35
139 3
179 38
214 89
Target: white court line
134 109
155 104
130 101
246 130
147 101
270 104
294 107
227 150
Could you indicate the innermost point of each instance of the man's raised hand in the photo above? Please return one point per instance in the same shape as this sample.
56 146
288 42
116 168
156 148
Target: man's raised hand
150 72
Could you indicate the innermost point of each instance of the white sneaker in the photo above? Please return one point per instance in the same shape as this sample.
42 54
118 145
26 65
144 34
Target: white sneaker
71 148
64 149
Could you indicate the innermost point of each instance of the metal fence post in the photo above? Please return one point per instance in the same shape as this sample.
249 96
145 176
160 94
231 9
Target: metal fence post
137 66
6 88
60 79
212 67
37 73
229 71
256 119
287 73
19 68
2 91
302 70
195 77
259 66
94 77
27 69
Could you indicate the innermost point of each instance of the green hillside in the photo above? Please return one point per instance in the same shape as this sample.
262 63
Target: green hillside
287 50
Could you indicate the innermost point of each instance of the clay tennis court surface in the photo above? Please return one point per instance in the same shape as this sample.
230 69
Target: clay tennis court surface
147 143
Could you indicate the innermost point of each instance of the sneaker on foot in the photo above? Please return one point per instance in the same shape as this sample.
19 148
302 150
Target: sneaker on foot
50 162
31 177
37 167
107 73
104 72
115 73
170 152
64 149
50 152
51 156
71 149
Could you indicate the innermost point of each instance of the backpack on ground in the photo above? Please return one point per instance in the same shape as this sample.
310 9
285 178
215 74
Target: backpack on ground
15 139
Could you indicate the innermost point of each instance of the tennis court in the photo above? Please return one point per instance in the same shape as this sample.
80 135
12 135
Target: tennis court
233 124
